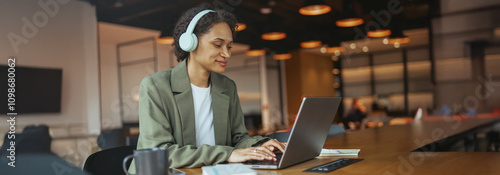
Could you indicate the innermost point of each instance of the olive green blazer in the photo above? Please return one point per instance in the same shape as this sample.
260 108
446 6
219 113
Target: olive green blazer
166 118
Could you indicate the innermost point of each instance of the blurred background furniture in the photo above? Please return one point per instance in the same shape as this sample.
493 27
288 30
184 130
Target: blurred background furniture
113 138
33 139
400 121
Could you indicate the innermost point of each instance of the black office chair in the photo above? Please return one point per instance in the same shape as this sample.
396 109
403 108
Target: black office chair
108 161
112 138
33 139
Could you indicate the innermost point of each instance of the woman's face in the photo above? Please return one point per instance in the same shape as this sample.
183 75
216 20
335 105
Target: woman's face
214 49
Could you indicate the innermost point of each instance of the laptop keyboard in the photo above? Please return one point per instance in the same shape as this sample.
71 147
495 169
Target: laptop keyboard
265 162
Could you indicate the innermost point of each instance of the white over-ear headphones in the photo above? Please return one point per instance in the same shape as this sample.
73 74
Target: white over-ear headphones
188 40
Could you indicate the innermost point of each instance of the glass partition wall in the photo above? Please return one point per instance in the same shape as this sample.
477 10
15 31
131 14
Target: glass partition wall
397 81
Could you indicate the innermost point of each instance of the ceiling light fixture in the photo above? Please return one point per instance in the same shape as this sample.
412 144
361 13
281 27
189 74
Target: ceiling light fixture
283 56
273 31
323 49
352 46
378 33
166 36
401 40
255 50
349 22
314 7
311 44
335 49
334 46
397 35
365 49
385 41
241 26
273 36
397 45
165 40
348 18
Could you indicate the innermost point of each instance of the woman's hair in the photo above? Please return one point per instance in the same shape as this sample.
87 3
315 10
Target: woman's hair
203 26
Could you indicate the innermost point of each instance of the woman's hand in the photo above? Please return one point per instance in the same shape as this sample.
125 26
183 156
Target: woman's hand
274 144
252 153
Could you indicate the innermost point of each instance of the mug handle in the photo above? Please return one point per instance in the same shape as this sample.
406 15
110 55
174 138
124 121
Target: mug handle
124 164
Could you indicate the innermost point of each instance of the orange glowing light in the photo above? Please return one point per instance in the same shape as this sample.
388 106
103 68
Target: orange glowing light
349 22
399 40
310 44
284 56
256 52
241 26
273 36
315 10
165 40
334 49
379 33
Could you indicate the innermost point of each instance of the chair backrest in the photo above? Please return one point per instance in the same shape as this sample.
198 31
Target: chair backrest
112 138
33 139
108 161
336 130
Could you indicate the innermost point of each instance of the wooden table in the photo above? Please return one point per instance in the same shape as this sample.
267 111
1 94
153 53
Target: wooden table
388 150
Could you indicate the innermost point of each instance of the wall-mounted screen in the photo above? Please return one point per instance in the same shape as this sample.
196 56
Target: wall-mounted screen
37 90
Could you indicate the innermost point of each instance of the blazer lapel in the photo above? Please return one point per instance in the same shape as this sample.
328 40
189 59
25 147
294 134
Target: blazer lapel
183 95
220 106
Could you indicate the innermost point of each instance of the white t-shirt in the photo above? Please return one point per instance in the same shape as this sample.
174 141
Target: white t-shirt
204 116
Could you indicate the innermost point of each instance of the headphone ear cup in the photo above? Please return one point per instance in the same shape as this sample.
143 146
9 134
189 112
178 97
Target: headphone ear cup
185 42
194 42
188 42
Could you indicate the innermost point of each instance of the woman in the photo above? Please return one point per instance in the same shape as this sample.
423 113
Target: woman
192 109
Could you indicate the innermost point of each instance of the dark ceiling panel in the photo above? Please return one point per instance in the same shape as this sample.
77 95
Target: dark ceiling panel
162 14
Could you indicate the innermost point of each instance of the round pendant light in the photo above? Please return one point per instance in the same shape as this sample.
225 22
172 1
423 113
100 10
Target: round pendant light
378 33
273 36
241 26
348 17
314 7
283 56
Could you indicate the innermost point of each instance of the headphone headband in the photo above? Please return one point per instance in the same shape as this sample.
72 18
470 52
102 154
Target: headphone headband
195 20
188 40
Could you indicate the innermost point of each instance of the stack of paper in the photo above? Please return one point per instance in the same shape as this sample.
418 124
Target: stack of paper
228 169
339 152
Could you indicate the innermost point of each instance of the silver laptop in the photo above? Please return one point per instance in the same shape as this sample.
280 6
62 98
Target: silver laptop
308 134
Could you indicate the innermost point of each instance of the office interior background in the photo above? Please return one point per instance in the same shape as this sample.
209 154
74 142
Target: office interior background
447 63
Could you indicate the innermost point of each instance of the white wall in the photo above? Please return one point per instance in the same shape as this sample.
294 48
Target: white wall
63 37
110 35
